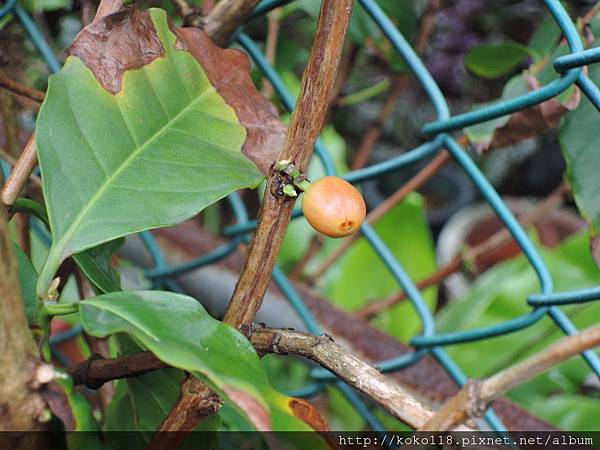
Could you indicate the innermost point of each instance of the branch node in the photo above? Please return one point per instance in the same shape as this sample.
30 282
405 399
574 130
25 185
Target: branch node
477 405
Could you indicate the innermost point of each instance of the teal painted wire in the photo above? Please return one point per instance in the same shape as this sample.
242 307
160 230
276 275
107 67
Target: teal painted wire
237 206
460 337
503 108
399 162
460 379
265 6
5 168
561 319
507 107
504 214
565 298
572 60
589 88
67 335
241 216
401 277
310 390
287 99
8 6
372 421
219 253
404 49
296 301
38 39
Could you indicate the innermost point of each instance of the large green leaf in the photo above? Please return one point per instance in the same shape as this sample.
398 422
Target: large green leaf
581 147
152 154
178 330
360 275
496 60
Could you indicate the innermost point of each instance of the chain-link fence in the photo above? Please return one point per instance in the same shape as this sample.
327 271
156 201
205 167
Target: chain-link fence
429 342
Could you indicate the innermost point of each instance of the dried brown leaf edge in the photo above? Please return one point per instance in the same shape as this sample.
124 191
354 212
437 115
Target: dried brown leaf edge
125 39
531 122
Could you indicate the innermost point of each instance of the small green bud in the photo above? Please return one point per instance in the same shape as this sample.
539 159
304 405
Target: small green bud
303 185
289 191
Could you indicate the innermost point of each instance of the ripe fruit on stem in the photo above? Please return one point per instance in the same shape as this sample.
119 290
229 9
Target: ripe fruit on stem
334 207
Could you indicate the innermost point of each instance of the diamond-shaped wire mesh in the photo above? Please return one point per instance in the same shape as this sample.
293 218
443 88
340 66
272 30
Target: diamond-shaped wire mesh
546 302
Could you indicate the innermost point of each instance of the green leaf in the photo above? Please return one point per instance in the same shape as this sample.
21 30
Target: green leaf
96 264
46 5
360 276
150 155
496 60
571 412
545 38
141 404
178 330
27 281
76 413
581 147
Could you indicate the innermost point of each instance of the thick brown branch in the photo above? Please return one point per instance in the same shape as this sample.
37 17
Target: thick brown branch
95 371
305 124
320 349
274 216
355 372
224 19
474 398
21 406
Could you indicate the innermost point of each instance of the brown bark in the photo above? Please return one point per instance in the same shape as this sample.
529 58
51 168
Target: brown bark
305 125
21 406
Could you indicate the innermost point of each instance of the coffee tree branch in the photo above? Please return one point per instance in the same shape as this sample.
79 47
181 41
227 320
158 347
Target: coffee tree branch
474 398
320 349
275 213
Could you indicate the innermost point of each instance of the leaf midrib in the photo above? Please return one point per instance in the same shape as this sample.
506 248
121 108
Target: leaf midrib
63 241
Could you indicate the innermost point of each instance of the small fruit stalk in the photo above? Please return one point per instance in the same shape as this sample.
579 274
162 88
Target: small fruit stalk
331 205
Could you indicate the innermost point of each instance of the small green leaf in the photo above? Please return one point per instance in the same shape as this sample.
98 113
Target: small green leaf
178 330
96 264
496 60
27 281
